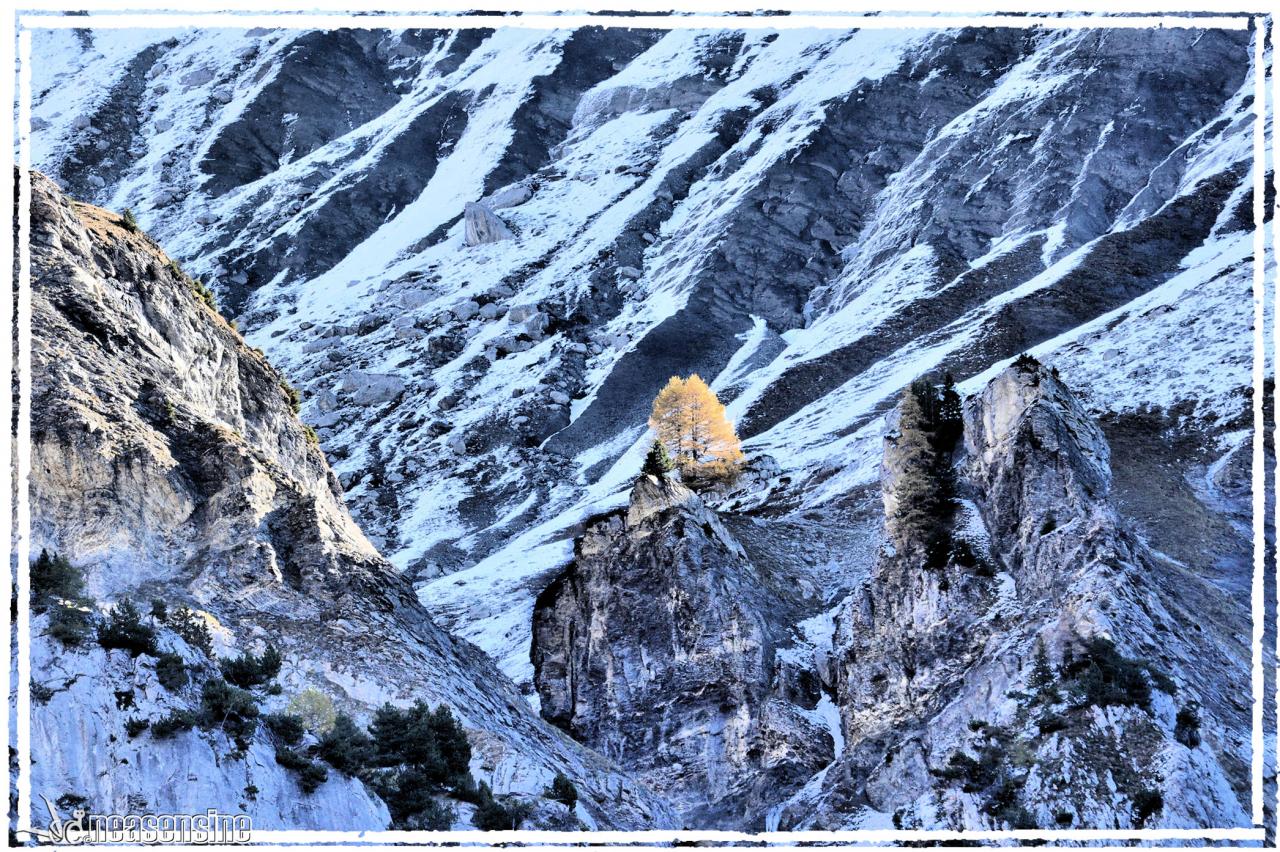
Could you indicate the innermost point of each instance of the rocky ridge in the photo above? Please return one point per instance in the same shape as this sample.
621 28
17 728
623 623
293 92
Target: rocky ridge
657 647
932 663
168 462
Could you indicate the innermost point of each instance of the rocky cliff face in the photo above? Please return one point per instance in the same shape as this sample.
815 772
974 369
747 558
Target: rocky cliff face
657 647
1038 681
84 755
168 463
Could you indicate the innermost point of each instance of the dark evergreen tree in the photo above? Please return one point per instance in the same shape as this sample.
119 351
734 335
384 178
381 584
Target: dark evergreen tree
70 624
345 747
249 670
191 627
926 488
229 708
563 791
658 462
1042 677
124 629
171 672
1147 802
1187 725
1102 676
57 587
178 720
53 578
950 416
128 221
287 728
1027 364
492 815
420 753
310 774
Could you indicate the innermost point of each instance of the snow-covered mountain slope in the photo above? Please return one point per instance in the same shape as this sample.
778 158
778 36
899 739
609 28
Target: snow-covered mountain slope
808 218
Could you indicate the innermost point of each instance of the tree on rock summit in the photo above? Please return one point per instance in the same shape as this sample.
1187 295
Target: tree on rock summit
658 462
692 426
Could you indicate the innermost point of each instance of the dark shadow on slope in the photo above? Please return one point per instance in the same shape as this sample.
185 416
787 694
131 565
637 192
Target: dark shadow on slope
353 213
96 159
331 81
589 56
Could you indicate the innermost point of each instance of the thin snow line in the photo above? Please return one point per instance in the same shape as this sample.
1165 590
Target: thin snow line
781 837
1275 348
6 367
24 432
1259 477
554 22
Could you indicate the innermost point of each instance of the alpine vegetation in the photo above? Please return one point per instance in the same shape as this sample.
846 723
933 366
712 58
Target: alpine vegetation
693 432
626 428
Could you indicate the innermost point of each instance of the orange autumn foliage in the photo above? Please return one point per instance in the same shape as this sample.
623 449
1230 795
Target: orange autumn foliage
691 422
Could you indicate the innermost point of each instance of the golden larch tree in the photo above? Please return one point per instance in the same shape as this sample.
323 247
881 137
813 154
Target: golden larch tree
691 422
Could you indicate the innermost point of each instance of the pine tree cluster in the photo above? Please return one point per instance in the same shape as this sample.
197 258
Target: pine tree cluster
57 587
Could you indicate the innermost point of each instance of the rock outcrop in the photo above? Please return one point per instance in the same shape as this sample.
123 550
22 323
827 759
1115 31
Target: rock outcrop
653 648
167 461
483 225
83 749
1036 679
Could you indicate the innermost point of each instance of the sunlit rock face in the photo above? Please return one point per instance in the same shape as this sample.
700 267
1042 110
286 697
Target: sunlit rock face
168 463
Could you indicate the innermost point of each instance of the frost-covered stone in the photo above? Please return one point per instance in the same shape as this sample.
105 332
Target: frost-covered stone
509 196
464 311
371 388
410 299
482 225
521 313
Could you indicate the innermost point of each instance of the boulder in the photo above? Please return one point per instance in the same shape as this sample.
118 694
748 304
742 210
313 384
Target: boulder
371 388
464 310
410 299
509 196
325 401
482 226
